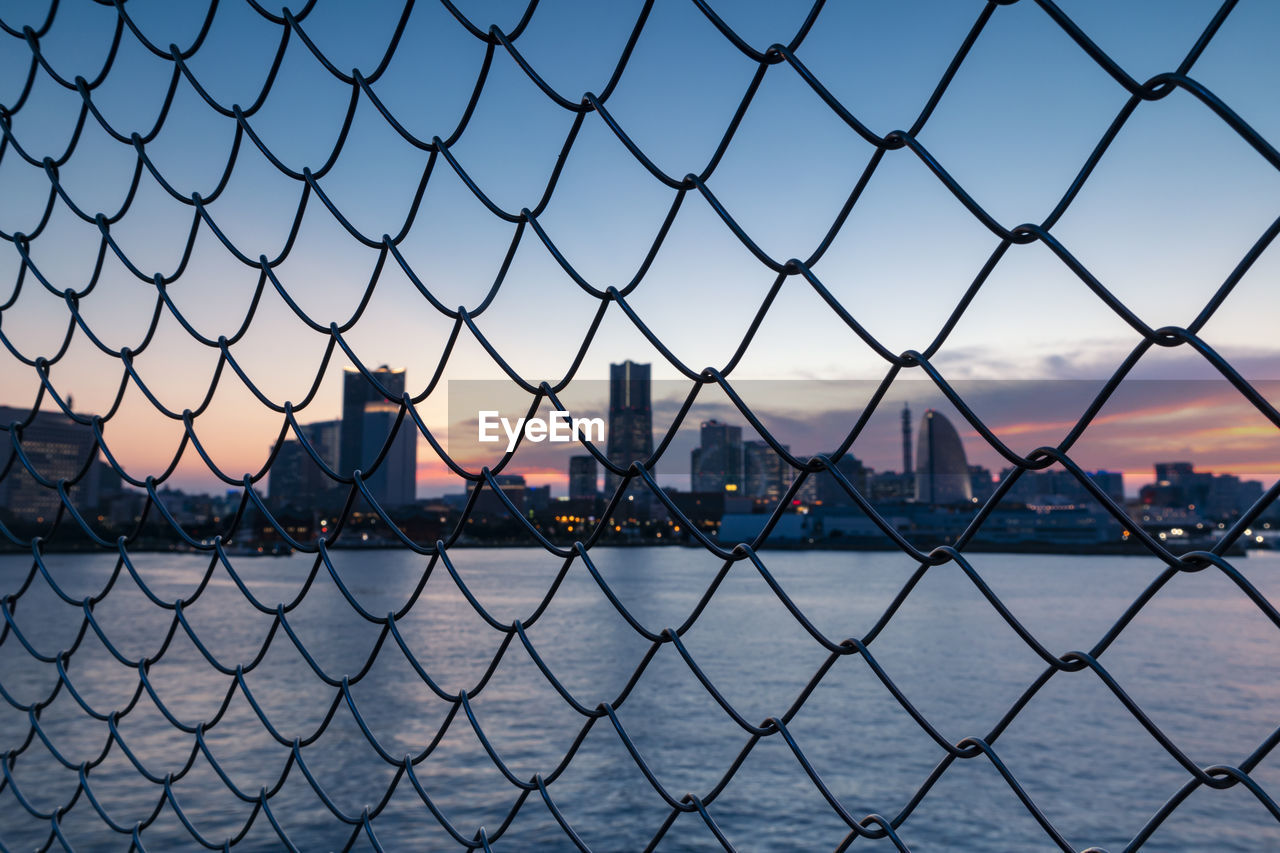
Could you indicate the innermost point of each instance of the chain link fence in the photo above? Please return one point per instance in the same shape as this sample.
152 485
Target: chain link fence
202 814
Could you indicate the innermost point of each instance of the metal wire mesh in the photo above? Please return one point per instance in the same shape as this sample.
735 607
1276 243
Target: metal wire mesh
591 106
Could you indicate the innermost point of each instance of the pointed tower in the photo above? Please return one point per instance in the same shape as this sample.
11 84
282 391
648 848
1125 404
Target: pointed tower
907 467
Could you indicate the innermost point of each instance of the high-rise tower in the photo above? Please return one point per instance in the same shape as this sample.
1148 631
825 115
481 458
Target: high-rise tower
906 439
942 471
584 474
367 417
630 418
716 463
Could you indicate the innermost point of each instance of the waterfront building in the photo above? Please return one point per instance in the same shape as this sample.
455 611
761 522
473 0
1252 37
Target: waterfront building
356 392
394 482
1179 485
765 476
942 471
981 483
367 419
537 499
891 487
294 477
630 436
1058 487
831 494
489 504
716 463
584 474
906 438
58 448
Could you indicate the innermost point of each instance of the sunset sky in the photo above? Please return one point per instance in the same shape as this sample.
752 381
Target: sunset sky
1147 421
1175 203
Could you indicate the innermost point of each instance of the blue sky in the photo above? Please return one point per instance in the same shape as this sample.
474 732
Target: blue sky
1171 208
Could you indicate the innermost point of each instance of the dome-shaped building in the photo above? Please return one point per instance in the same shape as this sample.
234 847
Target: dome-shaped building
942 471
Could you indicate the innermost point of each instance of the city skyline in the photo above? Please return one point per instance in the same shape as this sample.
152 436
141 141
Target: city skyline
1200 411
1188 194
1203 406
727 478
1146 422
1151 401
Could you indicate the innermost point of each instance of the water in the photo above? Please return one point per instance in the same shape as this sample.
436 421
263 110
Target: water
1200 660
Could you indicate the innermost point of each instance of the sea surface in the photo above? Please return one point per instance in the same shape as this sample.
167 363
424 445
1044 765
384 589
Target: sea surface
1200 660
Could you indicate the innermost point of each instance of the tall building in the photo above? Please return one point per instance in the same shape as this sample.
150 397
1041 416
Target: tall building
325 438
288 471
942 471
537 499
716 463
906 439
294 477
1111 482
394 482
584 475
58 448
356 392
830 493
630 419
1175 473
764 474
981 482
367 418
890 486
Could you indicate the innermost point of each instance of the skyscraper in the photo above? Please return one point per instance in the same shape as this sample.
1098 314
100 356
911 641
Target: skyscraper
57 447
906 439
294 477
630 418
942 471
716 464
393 484
285 480
325 438
356 391
367 418
764 473
584 473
